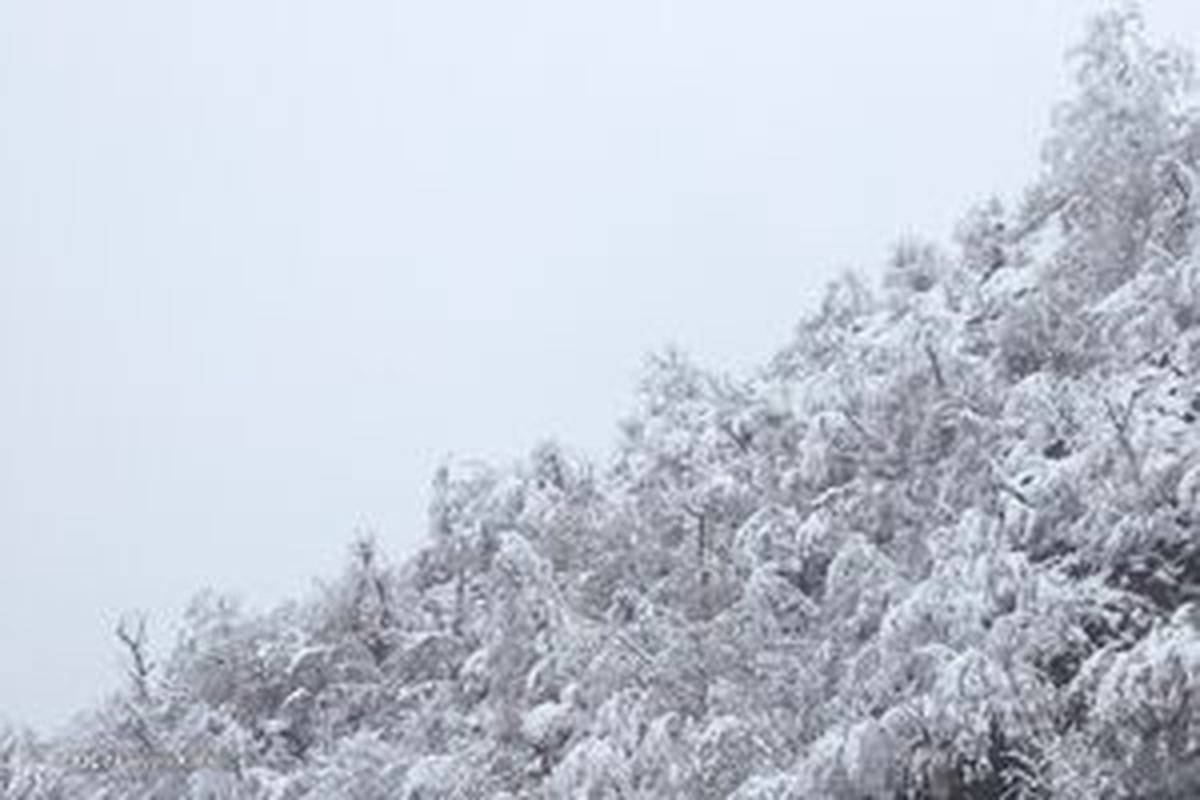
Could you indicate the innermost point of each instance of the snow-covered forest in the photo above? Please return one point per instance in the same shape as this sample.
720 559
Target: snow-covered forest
944 544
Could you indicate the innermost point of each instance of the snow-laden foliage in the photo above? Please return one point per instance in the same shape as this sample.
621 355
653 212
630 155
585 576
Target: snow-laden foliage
945 544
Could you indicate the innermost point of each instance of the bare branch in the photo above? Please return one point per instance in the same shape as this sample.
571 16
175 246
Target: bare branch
870 438
741 439
937 367
1120 419
133 636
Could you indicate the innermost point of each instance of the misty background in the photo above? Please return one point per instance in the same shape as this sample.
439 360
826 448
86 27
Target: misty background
264 264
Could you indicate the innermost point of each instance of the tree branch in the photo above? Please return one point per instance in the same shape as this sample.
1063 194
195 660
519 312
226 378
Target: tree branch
135 641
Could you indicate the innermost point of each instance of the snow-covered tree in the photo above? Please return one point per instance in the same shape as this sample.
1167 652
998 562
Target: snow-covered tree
943 545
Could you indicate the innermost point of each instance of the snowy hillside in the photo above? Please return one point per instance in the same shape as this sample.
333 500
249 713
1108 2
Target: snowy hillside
945 544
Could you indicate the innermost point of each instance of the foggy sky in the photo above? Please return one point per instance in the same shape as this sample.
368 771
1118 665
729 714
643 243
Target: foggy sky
263 264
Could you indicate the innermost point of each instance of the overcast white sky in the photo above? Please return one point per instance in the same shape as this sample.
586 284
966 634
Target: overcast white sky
263 263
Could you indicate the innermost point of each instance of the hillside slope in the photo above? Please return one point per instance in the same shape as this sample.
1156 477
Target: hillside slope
945 544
